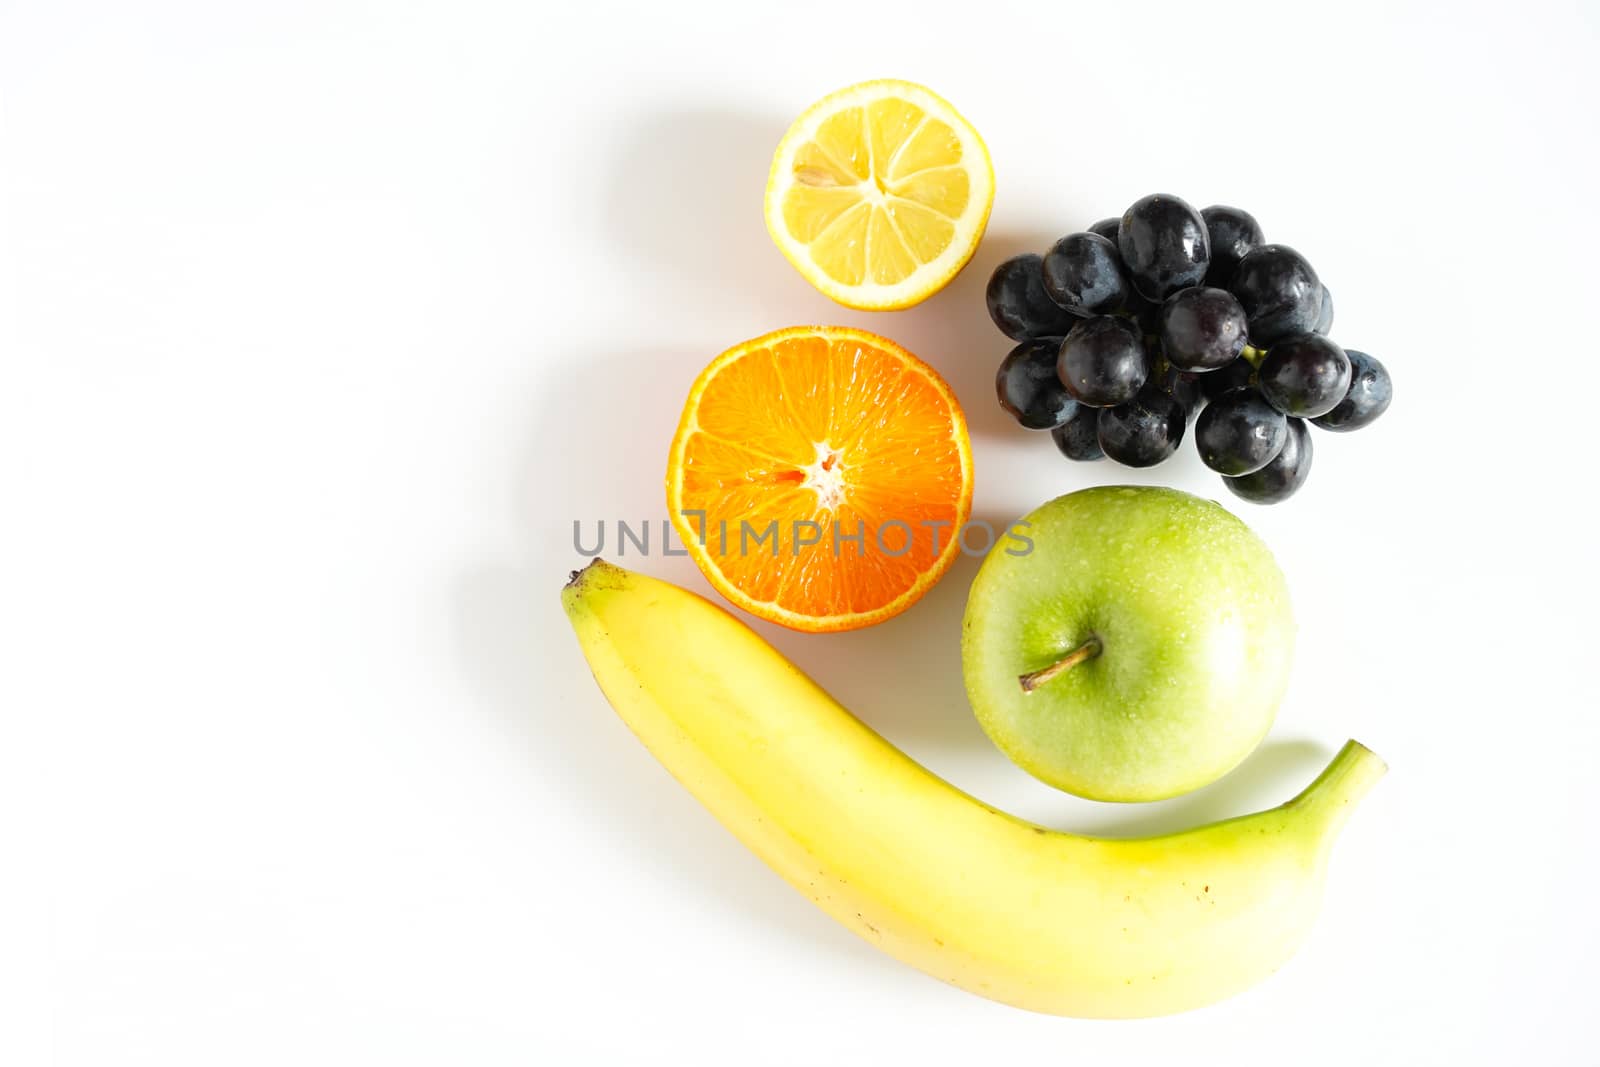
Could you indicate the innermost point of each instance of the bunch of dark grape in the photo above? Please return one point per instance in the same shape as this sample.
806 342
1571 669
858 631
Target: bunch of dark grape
1124 331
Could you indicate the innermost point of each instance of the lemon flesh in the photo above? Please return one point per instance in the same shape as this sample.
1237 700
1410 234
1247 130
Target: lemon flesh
879 194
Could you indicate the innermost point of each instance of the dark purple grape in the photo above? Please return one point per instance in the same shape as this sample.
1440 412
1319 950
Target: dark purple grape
1280 292
1239 433
1018 304
1102 361
1232 233
1142 314
1083 274
1181 385
1305 375
1144 431
1079 437
1107 228
1286 472
1202 329
1236 375
1028 387
1164 245
1325 316
1368 396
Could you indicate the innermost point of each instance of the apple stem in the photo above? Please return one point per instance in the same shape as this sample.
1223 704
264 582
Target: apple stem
1086 651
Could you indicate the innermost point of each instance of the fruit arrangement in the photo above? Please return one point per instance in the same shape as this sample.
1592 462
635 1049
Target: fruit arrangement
1135 644
1130 329
1009 910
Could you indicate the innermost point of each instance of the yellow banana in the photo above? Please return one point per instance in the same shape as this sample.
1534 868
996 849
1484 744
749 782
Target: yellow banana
1043 920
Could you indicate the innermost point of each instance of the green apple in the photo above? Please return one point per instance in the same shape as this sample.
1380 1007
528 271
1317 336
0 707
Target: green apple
1138 651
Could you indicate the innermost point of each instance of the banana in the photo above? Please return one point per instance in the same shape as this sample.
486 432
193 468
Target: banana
1018 913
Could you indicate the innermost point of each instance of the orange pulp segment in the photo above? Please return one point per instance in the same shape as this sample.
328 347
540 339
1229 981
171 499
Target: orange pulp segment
820 476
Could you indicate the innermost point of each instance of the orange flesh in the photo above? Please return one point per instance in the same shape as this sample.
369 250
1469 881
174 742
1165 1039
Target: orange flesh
830 427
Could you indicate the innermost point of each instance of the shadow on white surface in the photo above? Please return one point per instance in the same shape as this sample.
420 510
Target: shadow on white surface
953 332
685 197
1272 774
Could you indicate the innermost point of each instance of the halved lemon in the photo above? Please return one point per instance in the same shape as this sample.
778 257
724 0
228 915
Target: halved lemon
879 194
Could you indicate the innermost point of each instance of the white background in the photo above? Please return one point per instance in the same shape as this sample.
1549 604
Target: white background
321 322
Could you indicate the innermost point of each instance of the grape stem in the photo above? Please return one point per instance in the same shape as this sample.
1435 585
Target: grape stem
1084 652
1253 356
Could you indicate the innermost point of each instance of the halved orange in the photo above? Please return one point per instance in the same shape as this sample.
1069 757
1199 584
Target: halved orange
820 477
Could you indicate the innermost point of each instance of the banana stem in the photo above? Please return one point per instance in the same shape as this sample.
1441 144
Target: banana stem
1086 651
1330 799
